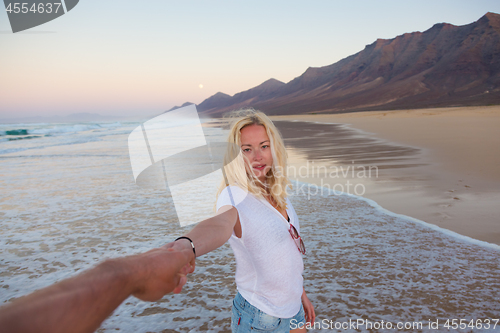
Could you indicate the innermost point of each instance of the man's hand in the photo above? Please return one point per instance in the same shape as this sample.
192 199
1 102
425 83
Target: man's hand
81 303
183 245
159 271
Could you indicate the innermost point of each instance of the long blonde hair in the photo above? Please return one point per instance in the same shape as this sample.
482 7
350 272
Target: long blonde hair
237 174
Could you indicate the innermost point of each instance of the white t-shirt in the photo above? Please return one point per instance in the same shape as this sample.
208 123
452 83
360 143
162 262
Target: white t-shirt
268 264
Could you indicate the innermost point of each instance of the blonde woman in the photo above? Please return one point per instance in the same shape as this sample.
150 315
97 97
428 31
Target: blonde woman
256 217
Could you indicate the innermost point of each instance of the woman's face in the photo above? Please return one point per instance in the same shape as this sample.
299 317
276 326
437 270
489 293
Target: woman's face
256 147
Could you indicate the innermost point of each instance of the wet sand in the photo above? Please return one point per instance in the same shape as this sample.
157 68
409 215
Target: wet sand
70 201
436 165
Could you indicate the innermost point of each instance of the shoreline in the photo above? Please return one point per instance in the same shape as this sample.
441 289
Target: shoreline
67 206
448 232
443 173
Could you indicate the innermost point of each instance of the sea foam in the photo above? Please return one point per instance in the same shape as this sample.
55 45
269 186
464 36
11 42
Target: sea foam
69 204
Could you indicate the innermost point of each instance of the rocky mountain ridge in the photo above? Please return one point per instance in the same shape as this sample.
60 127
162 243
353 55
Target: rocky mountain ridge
446 65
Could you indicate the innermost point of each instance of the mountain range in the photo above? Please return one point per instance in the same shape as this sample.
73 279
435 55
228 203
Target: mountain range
446 65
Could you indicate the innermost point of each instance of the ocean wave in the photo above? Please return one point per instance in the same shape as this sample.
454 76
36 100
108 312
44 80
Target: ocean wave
73 141
15 132
66 128
62 212
27 137
51 129
374 204
360 263
21 137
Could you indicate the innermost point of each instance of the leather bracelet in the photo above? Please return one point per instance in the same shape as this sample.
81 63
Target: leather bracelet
192 244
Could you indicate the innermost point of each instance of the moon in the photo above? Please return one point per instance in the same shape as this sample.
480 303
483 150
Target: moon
201 86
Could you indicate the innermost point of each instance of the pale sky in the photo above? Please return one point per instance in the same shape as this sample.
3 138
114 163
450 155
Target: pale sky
122 57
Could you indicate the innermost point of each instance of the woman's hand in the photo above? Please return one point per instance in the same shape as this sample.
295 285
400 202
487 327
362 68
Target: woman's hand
157 272
308 309
180 245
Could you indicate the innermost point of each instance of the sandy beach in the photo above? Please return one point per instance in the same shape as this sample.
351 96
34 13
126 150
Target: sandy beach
436 165
68 200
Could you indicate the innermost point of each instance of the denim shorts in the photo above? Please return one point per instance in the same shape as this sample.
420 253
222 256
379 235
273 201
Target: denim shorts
247 318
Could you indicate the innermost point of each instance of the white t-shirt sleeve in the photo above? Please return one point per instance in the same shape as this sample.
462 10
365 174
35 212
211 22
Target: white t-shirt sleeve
231 196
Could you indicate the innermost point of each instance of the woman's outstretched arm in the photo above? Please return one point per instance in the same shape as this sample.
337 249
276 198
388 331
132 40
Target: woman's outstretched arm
211 233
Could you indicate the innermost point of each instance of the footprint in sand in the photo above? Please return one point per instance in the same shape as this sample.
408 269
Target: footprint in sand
444 216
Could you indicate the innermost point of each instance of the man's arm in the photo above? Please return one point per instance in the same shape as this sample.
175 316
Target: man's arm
81 303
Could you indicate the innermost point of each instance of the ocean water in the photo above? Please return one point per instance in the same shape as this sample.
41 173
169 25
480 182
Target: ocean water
68 200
